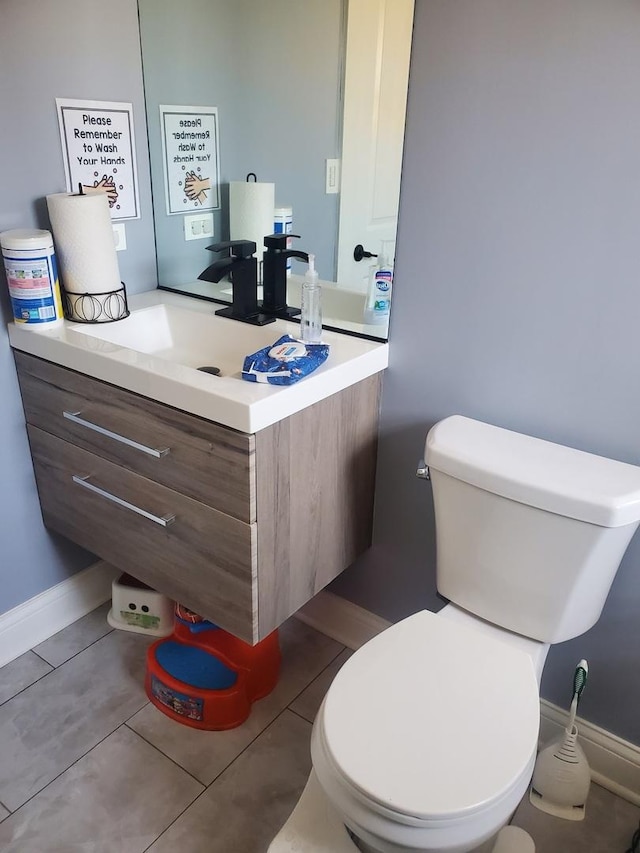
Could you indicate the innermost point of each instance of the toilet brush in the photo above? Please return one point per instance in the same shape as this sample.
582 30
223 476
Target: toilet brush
561 777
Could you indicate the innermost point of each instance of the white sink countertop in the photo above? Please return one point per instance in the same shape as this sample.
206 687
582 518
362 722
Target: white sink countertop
156 352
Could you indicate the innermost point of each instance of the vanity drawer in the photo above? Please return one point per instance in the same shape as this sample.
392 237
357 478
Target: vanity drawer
206 461
191 552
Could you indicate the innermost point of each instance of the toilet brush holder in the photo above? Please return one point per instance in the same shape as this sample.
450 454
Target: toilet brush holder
561 779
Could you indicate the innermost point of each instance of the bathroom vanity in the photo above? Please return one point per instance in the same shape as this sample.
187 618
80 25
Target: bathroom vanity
239 500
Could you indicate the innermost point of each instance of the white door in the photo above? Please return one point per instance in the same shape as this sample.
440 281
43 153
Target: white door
375 100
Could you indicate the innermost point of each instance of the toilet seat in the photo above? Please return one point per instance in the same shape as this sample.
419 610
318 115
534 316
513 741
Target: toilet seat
431 721
314 827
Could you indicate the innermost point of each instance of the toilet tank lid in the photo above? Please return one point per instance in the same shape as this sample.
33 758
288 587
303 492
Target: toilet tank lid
538 473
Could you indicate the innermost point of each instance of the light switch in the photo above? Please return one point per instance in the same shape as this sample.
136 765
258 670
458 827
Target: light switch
332 176
198 226
119 236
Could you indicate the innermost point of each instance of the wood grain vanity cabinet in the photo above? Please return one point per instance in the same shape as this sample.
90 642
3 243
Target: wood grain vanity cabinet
242 528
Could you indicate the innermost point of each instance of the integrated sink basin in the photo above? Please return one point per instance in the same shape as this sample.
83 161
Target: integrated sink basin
159 349
185 337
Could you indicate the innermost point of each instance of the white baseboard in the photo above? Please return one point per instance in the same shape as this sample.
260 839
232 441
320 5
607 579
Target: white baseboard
614 763
52 610
343 621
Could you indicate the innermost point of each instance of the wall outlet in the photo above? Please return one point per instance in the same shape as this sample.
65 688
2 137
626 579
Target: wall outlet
119 236
198 226
332 176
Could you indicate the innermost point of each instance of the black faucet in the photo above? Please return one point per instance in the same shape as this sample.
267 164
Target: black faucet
242 267
274 275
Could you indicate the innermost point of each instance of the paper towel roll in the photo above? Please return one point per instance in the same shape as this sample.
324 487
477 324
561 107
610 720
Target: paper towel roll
251 206
83 238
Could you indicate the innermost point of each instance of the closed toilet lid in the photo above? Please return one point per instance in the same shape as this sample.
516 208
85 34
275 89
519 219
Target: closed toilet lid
433 719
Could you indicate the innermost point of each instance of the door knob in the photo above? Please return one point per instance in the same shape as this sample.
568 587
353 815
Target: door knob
360 252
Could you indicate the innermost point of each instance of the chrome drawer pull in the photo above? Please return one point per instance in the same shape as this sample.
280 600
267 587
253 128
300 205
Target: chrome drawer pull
73 416
164 520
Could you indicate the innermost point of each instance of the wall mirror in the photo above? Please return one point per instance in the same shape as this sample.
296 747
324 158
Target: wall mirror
297 86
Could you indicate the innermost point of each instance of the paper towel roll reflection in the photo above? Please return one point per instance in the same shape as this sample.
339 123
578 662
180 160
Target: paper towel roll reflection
251 206
83 238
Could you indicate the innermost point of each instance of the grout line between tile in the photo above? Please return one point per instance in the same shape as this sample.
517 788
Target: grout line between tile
309 683
164 755
75 655
247 746
68 767
244 749
44 660
226 766
125 724
53 666
205 787
272 721
186 808
298 714
251 742
128 720
213 781
26 687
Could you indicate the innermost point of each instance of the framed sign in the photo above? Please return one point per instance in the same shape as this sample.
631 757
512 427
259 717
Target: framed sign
99 152
191 158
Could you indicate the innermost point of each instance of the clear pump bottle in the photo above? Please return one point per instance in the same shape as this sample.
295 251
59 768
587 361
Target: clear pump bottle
311 315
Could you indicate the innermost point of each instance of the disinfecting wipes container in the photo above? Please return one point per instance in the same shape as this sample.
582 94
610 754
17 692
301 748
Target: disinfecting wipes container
283 224
32 276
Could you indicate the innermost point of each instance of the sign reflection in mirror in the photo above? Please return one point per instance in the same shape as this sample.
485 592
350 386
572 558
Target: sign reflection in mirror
189 137
287 79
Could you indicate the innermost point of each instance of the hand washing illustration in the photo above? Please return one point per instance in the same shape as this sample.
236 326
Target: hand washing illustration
107 185
195 187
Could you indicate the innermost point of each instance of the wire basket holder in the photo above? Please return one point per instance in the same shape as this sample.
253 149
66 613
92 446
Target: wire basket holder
96 307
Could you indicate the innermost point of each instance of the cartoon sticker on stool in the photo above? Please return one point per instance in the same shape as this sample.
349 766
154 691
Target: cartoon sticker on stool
180 703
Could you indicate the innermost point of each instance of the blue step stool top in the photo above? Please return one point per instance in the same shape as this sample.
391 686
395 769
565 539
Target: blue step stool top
194 666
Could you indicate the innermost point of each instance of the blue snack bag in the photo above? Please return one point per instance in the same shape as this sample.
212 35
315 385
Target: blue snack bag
285 362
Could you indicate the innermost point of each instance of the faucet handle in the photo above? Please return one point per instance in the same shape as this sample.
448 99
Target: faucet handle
239 248
278 241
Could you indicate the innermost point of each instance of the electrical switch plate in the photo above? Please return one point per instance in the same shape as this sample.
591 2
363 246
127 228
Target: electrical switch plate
332 178
198 226
119 236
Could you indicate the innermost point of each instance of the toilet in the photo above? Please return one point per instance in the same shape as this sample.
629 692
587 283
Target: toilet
426 739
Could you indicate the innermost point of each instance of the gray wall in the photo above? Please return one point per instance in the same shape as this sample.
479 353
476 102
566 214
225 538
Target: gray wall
48 49
274 72
517 293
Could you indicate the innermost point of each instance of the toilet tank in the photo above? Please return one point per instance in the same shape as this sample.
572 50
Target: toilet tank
529 533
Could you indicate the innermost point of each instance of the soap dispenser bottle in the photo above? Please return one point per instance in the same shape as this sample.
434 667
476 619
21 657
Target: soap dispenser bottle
378 304
311 318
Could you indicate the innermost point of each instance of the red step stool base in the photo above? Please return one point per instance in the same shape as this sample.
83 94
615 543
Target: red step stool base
257 669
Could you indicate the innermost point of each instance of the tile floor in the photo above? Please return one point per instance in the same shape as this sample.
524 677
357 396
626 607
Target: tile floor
87 765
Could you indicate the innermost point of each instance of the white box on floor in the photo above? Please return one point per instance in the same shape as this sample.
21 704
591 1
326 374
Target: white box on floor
138 608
